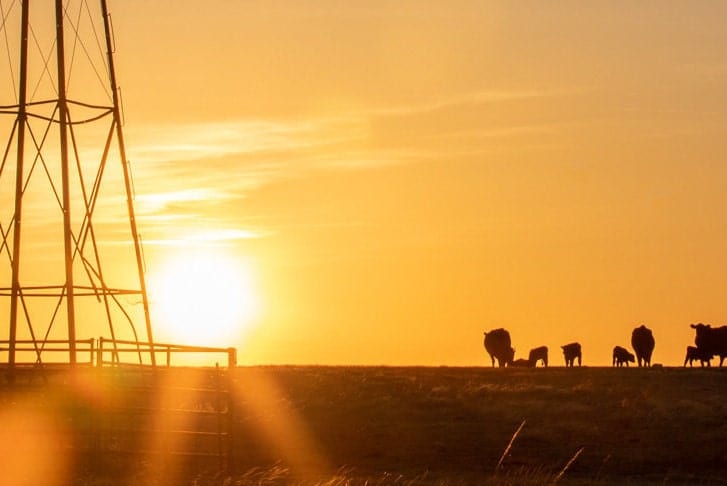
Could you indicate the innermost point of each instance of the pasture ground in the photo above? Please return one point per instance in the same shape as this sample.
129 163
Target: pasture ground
440 425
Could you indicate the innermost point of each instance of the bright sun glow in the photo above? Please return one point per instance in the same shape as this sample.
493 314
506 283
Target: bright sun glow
202 298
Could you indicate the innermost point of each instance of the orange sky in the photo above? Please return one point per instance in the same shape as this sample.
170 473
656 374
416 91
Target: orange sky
400 176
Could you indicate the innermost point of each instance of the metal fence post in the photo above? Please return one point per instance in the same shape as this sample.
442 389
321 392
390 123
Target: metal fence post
99 355
231 357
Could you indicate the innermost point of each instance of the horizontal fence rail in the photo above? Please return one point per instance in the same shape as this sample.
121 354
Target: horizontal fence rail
116 348
52 346
108 352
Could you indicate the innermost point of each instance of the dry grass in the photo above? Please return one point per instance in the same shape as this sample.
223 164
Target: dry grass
582 425
461 426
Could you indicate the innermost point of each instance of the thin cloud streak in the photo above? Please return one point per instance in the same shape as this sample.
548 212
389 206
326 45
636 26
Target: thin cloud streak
208 164
281 139
190 142
475 98
208 238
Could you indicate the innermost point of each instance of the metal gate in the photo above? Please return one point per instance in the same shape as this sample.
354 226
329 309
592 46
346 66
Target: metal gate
118 412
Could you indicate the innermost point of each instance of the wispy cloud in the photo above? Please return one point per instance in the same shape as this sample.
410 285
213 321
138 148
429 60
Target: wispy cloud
267 146
473 98
188 142
158 201
206 238
194 170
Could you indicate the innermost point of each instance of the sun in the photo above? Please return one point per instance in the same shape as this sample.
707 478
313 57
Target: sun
202 298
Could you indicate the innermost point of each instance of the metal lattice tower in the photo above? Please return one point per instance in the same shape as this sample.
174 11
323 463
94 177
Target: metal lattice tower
71 262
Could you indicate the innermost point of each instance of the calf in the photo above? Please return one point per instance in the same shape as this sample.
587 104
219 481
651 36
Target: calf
538 354
694 353
521 363
622 356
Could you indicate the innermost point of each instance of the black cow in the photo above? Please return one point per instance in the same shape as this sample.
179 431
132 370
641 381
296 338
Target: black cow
642 340
694 353
572 351
538 354
498 345
712 340
521 363
622 356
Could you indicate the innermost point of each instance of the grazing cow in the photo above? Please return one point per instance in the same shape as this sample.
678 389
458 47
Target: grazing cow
711 340
622 356
497 345
694 353
642 340
572 351
521 363
538 354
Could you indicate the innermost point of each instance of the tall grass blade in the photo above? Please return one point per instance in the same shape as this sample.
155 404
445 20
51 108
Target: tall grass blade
565 468
509 445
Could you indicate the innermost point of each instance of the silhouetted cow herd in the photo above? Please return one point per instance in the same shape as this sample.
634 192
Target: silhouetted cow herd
710 342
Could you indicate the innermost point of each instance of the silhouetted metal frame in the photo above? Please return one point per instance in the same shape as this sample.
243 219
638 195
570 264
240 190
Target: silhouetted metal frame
74 245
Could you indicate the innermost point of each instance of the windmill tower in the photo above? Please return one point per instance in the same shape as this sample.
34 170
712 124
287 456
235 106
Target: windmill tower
71 262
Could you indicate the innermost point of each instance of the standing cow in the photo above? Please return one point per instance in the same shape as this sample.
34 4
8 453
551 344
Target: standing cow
538 354
572 351
694 353
498 345
711 340
622 356
642 340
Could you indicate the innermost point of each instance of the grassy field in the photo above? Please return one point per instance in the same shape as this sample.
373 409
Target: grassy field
381 425
453 424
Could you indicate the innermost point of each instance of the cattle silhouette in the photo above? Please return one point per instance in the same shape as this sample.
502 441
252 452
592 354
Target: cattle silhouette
711 340
694 353
498 345
521 363
571 351
642 340
538 354
622 356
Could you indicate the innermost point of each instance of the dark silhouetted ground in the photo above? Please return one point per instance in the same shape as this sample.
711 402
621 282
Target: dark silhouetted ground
420 425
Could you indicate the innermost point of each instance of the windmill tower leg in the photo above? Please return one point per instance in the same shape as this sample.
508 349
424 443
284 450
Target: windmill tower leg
19 127
65 182
127 178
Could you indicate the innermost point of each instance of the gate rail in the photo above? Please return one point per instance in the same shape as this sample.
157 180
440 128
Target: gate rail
98 351
153 415
117 347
